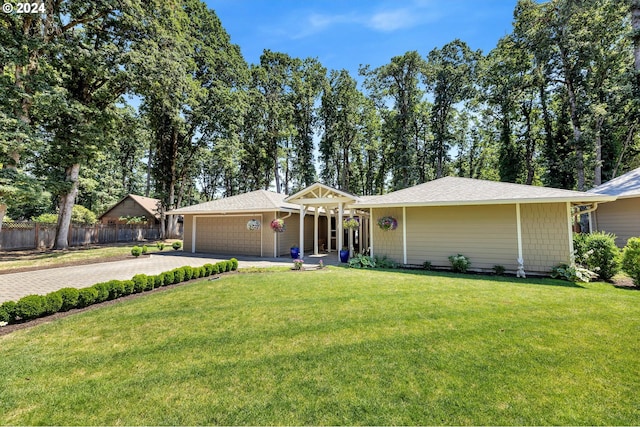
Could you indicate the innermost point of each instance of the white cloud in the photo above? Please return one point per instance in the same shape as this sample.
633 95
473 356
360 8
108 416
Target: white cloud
392 20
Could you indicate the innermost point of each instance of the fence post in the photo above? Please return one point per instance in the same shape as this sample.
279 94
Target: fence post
36 232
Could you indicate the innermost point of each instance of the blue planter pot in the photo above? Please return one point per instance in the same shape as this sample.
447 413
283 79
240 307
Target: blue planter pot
344 255
295 253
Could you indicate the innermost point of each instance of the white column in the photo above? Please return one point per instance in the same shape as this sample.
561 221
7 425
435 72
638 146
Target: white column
193 235
590 223
572 258
315 230
520 272
275 238
302 231
328 229
339 230
371 231
350 237
404 235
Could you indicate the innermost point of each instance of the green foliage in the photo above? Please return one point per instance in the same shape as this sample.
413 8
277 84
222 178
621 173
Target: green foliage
597 252
362 261
140 282
30 307
573 273
129 287
145 249
208 268
52 302
169 277
234 264
427 265
384 262
46 218
160 246
188 272
116 289
631 259
176 245
499 270
69 298
159 280
136 251
87 296
178 275
459 263
102 290
8 312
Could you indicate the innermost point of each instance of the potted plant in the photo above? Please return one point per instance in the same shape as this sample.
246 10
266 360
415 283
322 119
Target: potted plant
278 225
295 252
351 223
344 254
387 223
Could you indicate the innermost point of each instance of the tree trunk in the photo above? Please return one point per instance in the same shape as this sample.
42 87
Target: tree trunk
3 211
597 172
635 24
66 207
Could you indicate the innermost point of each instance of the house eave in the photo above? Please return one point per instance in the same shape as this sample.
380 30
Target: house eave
580 200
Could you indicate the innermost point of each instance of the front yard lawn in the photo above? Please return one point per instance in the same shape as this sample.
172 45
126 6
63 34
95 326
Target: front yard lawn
334 347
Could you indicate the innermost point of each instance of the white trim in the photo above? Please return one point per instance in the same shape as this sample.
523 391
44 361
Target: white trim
275 237
329 216
370 231
586 199
301 237
339 230
404 235
316 215
519 230
572 259
193 235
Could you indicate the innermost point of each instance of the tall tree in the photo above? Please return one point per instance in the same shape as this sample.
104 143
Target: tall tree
451 73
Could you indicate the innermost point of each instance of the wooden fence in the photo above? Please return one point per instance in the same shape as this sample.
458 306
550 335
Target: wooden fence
31 235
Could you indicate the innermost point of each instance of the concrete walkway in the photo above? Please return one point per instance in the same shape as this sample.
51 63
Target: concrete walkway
14 286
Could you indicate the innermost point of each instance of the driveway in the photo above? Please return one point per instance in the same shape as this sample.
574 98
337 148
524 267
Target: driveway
14 286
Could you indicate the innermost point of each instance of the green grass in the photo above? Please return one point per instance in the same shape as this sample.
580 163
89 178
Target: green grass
50 258
333 347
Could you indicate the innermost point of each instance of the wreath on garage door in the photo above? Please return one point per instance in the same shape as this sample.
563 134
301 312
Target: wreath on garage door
253 224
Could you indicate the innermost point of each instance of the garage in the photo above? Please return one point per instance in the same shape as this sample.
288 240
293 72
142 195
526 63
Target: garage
227 235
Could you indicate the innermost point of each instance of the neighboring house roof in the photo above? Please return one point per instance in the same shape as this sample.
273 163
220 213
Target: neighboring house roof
466 191
254 201
627 185
149 204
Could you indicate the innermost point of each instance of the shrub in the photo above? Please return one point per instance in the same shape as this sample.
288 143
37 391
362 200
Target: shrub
159 281
145 249
136 251
139 282
498 270
129 287
116 289
227 265
176 245
384 262
631 259
208 269
572 273
103 291
160 246
178 275
168 278
597 252
30 307
87 296
151 283
427 265
188 272
215 268
459 263
8 312
362 261
69 298
52 302
234 264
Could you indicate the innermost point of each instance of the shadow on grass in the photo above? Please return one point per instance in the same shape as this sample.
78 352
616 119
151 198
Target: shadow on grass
482 277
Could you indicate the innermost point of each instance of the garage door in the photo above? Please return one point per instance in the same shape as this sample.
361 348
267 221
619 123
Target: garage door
226 235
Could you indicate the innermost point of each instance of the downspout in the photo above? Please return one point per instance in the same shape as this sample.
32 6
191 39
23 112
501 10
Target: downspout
520 272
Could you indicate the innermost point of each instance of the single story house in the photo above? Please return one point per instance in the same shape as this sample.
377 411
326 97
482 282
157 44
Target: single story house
520 227
132 206
622 216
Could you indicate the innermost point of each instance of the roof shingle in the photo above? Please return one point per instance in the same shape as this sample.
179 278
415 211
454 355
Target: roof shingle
627 185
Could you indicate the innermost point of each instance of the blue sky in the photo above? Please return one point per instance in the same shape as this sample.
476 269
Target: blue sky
347 33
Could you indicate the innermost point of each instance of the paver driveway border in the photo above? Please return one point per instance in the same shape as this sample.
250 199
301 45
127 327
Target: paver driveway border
14 286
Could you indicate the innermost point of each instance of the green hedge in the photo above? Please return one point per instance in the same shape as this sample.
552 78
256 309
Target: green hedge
34 306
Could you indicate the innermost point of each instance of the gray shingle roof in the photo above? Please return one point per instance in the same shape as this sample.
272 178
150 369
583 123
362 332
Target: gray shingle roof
627 185
254 201
467 191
